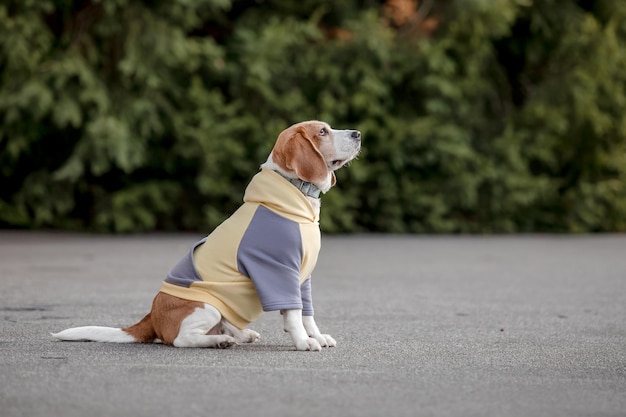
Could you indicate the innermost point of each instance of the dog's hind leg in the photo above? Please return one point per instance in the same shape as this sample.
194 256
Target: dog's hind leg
198 330
241 336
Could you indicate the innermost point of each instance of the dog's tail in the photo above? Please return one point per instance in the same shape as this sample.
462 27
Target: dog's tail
142 332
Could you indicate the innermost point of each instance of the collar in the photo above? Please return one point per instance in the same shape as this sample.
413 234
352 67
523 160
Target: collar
307 188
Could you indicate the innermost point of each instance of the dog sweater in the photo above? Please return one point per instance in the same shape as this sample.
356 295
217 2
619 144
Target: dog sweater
259 259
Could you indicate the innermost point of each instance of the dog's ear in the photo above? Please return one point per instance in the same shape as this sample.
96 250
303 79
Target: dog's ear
298 153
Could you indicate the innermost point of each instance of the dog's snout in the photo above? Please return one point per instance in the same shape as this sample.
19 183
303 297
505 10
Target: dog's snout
355 134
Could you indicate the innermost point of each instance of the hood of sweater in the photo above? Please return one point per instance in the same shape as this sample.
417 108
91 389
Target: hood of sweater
271 190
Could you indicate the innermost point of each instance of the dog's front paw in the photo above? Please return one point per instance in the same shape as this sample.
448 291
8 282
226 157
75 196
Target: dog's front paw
308 344
326 340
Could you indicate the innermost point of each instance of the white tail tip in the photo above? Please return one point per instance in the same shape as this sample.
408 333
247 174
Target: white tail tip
95 334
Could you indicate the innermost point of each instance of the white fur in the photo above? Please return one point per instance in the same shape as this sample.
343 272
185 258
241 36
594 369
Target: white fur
195 327
345 146
95 334
241 336
293 325
310 326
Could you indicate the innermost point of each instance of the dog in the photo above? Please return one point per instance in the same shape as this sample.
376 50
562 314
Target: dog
259 259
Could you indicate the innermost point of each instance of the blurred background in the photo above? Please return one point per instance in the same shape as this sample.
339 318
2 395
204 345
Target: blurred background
478 116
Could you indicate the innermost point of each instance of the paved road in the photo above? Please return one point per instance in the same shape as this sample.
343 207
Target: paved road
426 326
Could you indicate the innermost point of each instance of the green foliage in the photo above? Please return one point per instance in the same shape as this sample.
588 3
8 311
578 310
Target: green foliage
130 116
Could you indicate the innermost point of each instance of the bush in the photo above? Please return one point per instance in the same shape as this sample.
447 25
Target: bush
478 116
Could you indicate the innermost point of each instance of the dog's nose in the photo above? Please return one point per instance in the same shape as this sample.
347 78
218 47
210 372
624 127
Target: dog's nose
356 134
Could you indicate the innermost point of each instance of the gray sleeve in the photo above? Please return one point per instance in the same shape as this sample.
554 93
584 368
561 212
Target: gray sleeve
307 299
270 254
184 273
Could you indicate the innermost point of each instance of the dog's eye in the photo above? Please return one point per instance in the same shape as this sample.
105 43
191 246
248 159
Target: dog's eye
323 132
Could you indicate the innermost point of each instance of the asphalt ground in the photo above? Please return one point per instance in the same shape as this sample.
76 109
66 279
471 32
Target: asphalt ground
425 326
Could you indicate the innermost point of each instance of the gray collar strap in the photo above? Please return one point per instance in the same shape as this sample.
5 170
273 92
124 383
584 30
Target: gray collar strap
307 188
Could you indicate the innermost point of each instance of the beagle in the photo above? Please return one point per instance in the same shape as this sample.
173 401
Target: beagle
259 259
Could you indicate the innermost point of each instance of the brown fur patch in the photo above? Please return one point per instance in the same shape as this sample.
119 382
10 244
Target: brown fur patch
143 332
167 314
298 149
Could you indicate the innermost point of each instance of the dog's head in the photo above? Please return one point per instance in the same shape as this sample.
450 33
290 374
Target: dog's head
312 150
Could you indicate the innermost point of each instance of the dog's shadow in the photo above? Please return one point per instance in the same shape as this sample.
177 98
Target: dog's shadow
256 347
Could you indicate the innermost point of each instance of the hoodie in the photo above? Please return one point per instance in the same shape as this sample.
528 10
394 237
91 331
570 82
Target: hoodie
259 259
